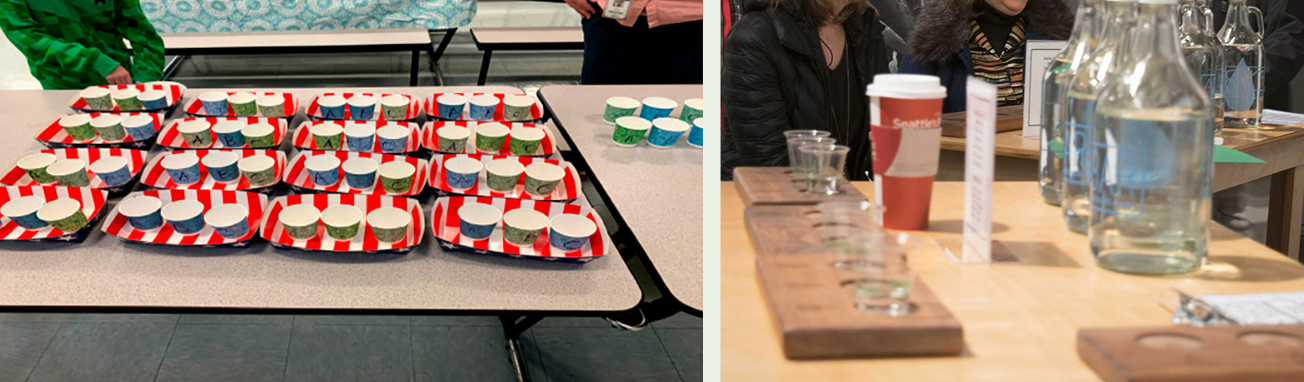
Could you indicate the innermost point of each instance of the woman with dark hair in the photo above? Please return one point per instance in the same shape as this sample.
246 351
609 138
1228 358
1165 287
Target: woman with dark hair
954 39
799 65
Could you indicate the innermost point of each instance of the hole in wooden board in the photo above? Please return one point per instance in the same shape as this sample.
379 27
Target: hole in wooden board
1271 339
1170 341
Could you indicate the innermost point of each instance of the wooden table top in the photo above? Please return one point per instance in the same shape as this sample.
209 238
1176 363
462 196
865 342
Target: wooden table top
1020 320
1013 144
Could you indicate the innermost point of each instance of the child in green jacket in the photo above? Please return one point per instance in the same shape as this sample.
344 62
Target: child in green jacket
72 44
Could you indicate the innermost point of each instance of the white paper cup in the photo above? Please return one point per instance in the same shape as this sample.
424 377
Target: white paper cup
74 120
109 127
230 133
570 232
113 171
213 97
185 216
271 102
142 212
36 166
518 107
230 221
259 170
503 174
64 214
23 212
542 178
331 101
461 172
94 92
300 221
222 166
327 136
360 172
254 132
97 98
395 107
393 138
186 164
153 98
225 127
343 222
244 104
485 100
526 140
360 130
489 137
389 224
126 95
522 226
397 176
362 102
478 220
69 172
197 133
453 138
323 169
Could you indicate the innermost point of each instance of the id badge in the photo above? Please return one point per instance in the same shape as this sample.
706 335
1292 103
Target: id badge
616 9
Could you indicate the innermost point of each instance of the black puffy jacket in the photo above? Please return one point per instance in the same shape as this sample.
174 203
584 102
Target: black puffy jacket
776 79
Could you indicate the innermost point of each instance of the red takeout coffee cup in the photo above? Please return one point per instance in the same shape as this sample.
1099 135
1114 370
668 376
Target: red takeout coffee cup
906 135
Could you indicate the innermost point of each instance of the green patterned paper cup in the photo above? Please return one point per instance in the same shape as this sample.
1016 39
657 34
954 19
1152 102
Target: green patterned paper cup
395 107
97 98
619 107
198 134
259 136
35 165
396 177
518 108
128 99
452 139
523 226
259 170
300 221
64 214
109 127
244 104
389 224
78 126
342 221
327 136
70 173
692 110
541 179
271 106
504 174
526 140
630 131
489 137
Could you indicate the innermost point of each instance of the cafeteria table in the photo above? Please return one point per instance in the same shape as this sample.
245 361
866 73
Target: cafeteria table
654 193
1282 147
1020 319
108 275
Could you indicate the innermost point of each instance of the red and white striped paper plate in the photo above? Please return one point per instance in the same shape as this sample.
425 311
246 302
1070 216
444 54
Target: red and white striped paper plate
55 135
174 93
432 107
414 108
447 229
157 177
303 138
135 160
569 189
298 176
117 225
92 201
196 107
364 242
430 139
170 137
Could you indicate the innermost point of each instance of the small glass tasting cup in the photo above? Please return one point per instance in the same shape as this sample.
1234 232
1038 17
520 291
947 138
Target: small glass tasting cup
883 280
838 222
795 157
824 166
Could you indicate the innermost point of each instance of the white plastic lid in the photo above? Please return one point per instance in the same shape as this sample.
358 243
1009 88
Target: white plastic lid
906 86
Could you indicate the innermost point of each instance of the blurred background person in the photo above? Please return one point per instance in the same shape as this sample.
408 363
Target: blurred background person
650 42
73 44
799 65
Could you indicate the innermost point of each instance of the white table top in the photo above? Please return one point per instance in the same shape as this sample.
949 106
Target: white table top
351 37
657 191
105 272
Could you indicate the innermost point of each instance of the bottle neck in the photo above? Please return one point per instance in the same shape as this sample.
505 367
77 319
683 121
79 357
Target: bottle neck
1191 19
1155 36
1119 16
1087 22
1238 14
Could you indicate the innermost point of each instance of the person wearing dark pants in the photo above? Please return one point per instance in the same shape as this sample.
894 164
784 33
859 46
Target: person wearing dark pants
656 42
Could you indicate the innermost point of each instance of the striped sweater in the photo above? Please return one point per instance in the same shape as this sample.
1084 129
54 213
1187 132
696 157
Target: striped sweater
1005 70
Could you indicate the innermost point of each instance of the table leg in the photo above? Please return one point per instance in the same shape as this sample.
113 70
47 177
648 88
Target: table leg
1286 211
513 326
416 67
484 67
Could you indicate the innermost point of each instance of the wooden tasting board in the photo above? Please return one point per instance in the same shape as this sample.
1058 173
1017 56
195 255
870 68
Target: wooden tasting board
1118 355
817 317
1007 118
774 185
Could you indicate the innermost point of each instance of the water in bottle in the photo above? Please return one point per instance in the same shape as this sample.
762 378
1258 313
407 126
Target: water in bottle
1242 67
1201 52
1081 107
1055 92
1152 152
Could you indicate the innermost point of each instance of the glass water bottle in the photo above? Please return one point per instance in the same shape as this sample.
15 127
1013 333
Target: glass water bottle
1242 67
1055 91
1153 156
1201 52
1081 107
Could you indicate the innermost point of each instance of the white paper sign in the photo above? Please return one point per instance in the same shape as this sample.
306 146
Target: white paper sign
979 170
1039 55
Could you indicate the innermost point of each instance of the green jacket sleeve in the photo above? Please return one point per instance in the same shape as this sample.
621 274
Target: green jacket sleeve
44 49
146 45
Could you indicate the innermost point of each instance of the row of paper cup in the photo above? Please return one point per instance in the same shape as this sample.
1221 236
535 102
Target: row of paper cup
128 99
490 137
47 169
363 107
396 177
652 108
523 226
109 127
233 134
360 137
482 107
661 133
222 166
186 217
242 104
502 175
33 213
345 222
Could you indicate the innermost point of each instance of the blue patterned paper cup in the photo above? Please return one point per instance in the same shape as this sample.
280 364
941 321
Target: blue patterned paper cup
139 127
666 132
222 166
569 232
331 107
477 221
451 106
113 171
393 139
483 107
230 221
230 133
215 104
657 107
362 108
142 212
695 135
360 137
23 211
324 170
360 173
185 216
461 172
154 99
182 168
